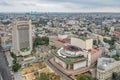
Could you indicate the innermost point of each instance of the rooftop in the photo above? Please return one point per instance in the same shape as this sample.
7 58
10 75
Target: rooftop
6 45
67 53
70 58
66 40
72 48
105 64
116 32
93 50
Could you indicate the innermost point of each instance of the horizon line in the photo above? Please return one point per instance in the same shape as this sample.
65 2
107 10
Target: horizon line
55 12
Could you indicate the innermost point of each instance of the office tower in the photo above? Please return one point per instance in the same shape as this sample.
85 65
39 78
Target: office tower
22 37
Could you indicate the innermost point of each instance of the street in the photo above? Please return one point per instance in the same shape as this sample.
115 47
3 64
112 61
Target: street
4 70
56 70
43 52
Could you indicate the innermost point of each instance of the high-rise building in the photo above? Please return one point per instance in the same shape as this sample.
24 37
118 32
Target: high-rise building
22 37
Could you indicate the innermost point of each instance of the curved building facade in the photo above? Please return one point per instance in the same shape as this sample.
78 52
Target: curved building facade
105 68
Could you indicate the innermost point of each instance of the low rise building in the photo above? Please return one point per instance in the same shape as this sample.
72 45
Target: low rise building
107 66
6 43
78 54
117 46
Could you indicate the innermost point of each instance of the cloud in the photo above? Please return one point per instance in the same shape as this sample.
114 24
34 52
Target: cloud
60 5
88 3
4 3
28 4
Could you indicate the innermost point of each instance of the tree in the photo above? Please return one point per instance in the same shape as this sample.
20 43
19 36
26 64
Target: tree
114 75
116 57
14 61
16 67
94 42
37 41
46 40
53 47
84 77
44 76
106 29
13 55
111 42
40 41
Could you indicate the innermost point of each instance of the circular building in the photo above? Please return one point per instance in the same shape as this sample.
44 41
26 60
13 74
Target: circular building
70 51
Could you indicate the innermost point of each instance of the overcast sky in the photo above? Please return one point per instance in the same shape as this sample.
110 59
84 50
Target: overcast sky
60 5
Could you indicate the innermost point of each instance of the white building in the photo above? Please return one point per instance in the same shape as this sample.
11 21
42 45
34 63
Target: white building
105 68
81 54
117 46
86 43
62 36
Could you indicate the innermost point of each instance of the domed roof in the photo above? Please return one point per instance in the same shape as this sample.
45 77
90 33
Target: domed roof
102 67
63 52
72 48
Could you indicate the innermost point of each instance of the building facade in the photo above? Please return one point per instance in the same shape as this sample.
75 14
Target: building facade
82 43
106 67
78 54
22 37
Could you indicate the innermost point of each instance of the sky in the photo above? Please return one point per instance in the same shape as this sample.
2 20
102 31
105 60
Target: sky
60 5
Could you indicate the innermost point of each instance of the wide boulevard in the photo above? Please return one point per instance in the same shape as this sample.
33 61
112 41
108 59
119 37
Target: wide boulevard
4 70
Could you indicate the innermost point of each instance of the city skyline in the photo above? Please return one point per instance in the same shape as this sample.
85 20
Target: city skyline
60 6
37 45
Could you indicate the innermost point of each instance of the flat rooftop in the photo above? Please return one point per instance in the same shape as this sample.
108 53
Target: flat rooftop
93 50
70 60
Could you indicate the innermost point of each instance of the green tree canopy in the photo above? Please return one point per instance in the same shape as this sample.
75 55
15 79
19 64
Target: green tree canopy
13 55
40 41
114 75
94 42
111 42
116 57
84 77
16 67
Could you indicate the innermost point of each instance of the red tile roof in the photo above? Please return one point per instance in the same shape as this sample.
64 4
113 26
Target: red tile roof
93 50
116 32
66 40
